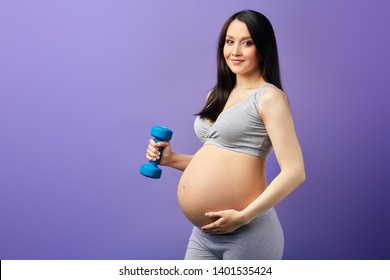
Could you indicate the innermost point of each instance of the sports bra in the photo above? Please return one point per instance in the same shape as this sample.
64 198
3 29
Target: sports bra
239 129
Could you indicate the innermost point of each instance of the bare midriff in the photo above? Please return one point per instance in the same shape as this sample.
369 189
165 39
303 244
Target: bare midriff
219 179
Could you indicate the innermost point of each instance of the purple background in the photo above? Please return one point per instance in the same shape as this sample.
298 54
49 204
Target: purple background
82 82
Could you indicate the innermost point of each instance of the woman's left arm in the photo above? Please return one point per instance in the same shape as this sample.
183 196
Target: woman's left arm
275 112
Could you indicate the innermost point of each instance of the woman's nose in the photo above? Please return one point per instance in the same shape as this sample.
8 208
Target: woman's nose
236 50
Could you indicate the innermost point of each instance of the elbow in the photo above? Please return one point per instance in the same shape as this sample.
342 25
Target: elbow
295 173
300 175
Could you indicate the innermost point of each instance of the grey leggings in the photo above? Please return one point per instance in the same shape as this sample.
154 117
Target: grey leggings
262 239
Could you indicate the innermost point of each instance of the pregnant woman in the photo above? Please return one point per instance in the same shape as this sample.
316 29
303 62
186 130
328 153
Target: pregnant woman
223 190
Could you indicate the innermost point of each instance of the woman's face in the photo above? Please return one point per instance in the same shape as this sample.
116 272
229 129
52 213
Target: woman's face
239 51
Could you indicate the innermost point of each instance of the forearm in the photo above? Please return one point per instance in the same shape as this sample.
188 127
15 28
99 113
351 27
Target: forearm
280 187
178 161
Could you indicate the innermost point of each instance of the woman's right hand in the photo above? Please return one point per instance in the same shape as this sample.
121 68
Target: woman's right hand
153 154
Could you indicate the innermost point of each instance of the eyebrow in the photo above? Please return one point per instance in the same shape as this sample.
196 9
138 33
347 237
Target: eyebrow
243 38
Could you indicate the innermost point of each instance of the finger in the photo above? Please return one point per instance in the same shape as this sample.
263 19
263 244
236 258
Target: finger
148 157
152 154
162 144
152 142
211 226
152 158
153 149
214 214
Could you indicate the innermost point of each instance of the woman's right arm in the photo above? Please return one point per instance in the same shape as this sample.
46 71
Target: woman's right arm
168 158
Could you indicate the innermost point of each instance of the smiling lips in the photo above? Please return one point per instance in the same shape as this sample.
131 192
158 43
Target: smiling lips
236 61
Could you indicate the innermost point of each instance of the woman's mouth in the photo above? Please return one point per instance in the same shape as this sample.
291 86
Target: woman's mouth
236 61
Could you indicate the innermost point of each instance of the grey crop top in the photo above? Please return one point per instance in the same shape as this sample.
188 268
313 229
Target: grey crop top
239 129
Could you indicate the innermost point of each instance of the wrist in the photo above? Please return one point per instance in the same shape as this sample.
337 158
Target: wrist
168 160
247 216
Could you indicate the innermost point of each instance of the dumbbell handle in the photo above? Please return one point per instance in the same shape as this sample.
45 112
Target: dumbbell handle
151 168
160 149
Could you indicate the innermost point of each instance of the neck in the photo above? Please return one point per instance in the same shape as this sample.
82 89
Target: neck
249 82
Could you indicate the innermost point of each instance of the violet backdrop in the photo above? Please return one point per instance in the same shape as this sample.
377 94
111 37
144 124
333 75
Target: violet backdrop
82 82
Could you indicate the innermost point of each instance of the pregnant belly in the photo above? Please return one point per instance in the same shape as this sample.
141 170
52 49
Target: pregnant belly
217 179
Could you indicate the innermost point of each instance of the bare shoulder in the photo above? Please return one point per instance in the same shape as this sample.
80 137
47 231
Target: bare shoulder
273 94
271 99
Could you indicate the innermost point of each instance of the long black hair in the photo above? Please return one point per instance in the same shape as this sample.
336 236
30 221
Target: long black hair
263 36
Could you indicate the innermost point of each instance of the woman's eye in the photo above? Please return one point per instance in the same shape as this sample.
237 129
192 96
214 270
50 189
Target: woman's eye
229 42
247 43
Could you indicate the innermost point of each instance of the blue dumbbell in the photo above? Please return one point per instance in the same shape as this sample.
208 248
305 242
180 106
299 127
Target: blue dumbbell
151 169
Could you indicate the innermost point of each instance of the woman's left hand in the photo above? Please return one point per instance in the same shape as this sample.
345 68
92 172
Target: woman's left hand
226 221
